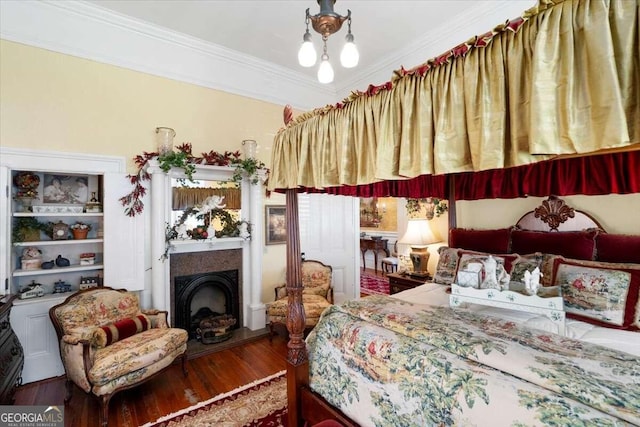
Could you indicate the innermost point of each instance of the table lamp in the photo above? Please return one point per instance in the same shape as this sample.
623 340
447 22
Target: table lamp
418 236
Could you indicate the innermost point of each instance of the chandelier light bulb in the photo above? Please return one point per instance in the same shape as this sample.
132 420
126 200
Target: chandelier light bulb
307 54
325 71
349 56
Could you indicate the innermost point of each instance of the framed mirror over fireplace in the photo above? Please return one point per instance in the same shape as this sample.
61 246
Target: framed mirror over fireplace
219 275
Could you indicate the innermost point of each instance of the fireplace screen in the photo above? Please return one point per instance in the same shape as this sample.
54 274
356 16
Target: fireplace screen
206 295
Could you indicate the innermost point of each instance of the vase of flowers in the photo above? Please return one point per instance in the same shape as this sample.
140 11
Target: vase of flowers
80 230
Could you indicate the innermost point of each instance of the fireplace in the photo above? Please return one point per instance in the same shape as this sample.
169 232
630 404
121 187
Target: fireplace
190 257
198 296
211 279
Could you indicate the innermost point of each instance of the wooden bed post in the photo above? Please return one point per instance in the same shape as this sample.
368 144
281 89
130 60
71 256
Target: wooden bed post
297 362
451 189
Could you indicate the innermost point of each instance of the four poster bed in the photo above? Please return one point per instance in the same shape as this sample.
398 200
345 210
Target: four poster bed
543 104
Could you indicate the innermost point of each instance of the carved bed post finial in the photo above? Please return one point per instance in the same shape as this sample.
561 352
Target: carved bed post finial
297 364
554 212
287 114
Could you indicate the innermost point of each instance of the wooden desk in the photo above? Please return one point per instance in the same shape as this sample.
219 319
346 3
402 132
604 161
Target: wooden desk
375 246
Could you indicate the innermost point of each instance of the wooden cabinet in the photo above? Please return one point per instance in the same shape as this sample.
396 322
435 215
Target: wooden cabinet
11 354
399 282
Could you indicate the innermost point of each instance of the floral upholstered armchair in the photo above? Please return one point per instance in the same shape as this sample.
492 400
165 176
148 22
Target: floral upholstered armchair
108 344
317 295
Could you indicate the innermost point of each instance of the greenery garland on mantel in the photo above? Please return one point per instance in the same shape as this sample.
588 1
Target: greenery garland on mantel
230 228
184 159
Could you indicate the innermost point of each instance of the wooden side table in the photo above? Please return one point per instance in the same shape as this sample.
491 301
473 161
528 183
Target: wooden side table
400 282
375 245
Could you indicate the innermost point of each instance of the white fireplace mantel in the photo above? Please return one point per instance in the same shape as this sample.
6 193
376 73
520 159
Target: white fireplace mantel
253 310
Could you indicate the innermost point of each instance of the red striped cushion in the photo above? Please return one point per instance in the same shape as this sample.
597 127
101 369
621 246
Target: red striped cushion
113 332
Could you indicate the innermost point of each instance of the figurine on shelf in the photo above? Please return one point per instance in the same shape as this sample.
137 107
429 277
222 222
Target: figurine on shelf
61 287
31 258
47 265
32 290
62 262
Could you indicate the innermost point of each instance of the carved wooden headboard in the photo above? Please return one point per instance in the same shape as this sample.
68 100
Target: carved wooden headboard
555 215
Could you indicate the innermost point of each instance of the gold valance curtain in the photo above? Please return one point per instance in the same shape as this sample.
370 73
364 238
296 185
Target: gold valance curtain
184 197
562 79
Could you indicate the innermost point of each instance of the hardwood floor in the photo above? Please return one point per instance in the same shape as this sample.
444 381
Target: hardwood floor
209 375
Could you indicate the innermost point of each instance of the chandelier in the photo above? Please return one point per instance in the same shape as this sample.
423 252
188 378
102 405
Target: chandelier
326 23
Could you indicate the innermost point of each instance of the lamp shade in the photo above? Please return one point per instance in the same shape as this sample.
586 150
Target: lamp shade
418 234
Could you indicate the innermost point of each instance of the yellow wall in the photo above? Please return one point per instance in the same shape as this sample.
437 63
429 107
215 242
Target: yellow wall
57 102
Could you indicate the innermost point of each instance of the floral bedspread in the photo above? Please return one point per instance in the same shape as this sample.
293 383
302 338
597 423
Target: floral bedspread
385 362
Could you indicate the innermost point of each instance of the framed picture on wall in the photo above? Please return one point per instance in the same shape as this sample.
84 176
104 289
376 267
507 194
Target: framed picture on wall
65 189
369 215
275 227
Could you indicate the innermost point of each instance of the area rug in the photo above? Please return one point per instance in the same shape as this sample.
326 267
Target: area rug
371 284
261 403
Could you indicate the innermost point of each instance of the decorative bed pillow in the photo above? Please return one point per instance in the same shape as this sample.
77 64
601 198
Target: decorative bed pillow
618 248
117 331
604 294
524 263
570 244
447 265
547 269
489 241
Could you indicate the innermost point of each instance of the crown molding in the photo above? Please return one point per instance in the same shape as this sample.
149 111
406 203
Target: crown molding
437 40
87 31
44 160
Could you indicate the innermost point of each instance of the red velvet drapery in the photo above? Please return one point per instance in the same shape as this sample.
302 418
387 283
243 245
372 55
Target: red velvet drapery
612 173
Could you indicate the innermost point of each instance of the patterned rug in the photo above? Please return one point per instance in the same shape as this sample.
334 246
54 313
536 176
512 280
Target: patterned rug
371 284
261 403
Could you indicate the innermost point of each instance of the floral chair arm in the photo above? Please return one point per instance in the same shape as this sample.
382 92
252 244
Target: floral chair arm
281 291
330 295
158 318
78 358
71 339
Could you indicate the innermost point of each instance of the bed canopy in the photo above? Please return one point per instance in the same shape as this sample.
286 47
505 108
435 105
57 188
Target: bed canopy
546 103
561 80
